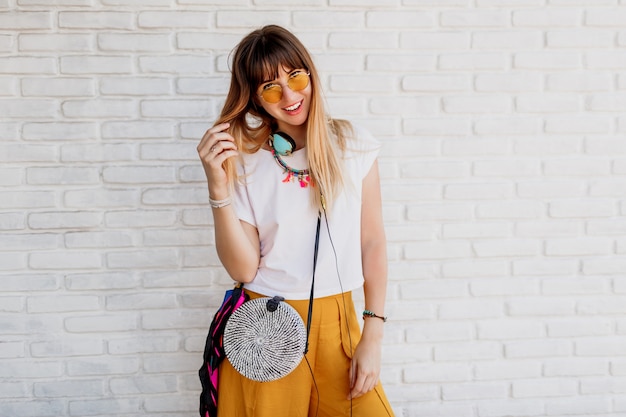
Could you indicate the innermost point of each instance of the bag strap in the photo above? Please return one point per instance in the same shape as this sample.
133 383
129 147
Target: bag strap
310 312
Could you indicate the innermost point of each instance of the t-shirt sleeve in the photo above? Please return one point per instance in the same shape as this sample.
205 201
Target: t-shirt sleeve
363 150
241 200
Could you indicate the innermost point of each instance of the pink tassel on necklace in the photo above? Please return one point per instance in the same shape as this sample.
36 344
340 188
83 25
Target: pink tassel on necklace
304 180
289 177
302 174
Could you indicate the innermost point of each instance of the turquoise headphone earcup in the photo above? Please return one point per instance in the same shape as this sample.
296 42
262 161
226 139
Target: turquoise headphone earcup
283 143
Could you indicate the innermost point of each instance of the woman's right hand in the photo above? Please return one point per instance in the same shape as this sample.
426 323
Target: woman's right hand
216 146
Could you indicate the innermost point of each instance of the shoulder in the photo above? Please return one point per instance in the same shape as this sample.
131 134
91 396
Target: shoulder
361 150
245 160
364 137
360 140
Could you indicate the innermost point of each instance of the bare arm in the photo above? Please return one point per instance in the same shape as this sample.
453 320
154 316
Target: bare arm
366 360
237 242
374 252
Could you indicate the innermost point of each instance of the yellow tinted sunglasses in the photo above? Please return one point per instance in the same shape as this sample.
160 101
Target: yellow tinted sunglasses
273 92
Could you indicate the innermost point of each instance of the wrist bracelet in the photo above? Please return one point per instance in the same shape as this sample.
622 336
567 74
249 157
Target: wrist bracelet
219 203
367 313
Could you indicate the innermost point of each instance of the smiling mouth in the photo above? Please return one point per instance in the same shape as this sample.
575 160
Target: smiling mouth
294 106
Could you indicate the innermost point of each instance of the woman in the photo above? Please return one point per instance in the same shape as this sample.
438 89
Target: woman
266 190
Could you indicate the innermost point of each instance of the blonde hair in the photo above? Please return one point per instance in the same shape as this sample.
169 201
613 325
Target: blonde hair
256 58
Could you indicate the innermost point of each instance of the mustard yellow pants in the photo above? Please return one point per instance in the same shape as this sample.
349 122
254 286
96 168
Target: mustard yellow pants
319 391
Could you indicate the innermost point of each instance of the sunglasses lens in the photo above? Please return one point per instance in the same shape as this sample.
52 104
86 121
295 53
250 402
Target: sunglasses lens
272 94
299 81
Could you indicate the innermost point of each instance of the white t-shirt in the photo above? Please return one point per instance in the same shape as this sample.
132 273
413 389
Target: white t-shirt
286 221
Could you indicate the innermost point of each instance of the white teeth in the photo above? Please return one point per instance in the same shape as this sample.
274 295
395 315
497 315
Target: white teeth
292 108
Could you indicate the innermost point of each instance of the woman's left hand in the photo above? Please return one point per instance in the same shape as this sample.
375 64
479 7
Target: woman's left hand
365 367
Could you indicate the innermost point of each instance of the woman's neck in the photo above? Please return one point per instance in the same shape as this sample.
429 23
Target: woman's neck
297 133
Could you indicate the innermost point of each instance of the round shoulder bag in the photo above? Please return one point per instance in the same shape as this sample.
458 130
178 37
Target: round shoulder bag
265 339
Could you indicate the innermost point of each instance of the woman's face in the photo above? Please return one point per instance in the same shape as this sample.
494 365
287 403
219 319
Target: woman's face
287 98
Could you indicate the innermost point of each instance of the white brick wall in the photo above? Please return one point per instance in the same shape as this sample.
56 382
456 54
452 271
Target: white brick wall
504 183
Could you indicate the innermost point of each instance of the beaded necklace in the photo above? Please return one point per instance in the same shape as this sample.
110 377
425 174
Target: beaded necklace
301 175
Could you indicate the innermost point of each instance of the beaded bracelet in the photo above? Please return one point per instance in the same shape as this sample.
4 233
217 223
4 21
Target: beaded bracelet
219 203
367 313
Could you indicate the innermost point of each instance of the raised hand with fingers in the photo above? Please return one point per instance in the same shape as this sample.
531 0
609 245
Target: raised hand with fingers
216 146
